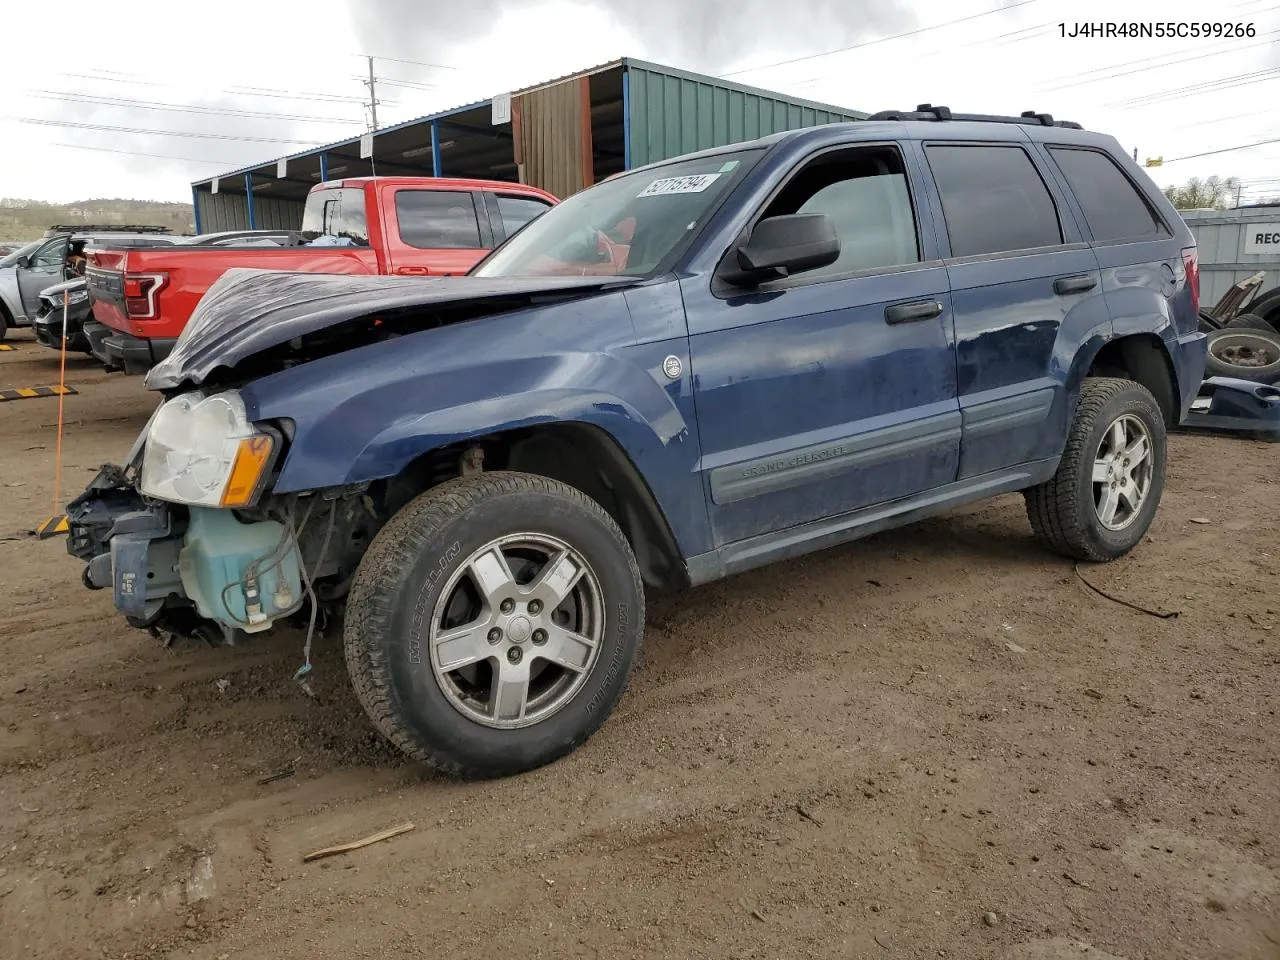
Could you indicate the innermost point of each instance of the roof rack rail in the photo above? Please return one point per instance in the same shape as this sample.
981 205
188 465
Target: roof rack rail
58 228
928 112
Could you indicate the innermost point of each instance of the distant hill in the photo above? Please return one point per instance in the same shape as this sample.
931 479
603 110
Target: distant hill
28 219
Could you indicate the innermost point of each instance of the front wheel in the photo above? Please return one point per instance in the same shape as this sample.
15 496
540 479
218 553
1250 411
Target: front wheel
493 623
1102 499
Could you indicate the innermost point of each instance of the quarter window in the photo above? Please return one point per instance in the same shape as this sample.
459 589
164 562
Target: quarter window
1112 206
517 211
993 199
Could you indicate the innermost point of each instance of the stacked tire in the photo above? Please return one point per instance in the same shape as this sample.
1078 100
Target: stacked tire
1248 347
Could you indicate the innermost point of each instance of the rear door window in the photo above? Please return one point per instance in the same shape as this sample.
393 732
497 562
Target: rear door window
438 219
338 215
1112 205
993 199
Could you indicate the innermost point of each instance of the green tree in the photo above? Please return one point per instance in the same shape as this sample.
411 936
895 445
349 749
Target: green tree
1216 193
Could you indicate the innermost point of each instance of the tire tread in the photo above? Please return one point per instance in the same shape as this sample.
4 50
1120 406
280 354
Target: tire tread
1052 506
369 604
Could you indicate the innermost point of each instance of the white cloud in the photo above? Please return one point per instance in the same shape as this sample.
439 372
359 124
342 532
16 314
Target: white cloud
243 58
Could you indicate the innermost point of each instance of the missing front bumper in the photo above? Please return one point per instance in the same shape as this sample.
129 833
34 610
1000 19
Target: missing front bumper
178 569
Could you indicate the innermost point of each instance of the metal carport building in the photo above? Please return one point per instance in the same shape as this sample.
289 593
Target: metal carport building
562 136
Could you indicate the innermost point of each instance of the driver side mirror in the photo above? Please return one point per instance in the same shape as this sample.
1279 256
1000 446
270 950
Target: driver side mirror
24 263
782 246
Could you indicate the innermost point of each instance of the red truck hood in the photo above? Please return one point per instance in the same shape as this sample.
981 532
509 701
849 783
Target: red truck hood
248 312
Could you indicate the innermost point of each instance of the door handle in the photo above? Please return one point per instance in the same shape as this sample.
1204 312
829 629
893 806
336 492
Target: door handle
1080 284
912 312
412 271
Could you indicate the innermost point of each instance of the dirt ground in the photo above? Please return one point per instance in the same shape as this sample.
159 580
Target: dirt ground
935 743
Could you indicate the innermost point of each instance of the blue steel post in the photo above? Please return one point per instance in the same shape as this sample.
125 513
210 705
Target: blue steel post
324 167
248 193
626 119
195 205
436 165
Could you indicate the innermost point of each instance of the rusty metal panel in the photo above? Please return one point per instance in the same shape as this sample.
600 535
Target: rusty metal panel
554 136
671 113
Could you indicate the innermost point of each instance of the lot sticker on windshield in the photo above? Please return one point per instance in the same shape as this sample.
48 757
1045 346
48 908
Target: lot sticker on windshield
729 167
669 185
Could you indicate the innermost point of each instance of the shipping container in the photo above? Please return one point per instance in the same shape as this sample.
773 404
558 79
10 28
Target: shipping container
562 136
1233 245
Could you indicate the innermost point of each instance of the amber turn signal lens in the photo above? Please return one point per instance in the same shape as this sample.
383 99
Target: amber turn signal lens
251 460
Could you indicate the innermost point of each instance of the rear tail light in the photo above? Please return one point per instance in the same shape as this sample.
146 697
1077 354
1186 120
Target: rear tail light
1191 260
140 291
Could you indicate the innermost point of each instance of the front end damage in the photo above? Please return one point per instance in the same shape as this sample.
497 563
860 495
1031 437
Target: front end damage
215 573
189 534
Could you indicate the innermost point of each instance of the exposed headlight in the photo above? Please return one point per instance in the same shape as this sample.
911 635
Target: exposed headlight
53 302
203 451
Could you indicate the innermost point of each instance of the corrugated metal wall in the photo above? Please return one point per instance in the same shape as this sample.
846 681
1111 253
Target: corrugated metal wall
672 115
554 140
1221 236
230 211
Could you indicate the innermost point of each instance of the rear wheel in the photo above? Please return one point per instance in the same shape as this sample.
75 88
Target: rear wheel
493 623
1104 495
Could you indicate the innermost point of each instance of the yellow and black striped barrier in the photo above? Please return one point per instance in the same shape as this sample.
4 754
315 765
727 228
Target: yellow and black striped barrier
29 393
55 526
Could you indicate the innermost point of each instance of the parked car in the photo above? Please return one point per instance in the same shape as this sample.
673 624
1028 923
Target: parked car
31 269
246 238
686 371
409 226
68 300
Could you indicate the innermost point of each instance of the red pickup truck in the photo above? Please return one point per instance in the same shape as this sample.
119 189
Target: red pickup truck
417 226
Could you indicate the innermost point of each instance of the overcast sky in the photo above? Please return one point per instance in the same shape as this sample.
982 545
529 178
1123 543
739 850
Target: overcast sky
141 101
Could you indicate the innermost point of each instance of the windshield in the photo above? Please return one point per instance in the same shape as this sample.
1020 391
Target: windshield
13 258
628 226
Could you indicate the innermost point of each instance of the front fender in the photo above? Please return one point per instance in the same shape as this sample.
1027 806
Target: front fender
368 413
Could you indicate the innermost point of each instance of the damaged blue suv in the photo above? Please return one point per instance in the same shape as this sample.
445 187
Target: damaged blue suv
685 371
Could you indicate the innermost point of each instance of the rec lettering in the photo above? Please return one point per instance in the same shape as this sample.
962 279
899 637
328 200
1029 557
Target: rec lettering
1262 239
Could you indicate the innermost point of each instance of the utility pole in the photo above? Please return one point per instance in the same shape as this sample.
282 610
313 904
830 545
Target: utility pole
373 96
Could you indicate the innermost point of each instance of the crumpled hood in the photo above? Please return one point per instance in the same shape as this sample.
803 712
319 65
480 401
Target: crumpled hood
247 311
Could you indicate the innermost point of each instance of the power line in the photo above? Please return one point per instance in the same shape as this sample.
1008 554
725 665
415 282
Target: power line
102 127
868 43
1179 60
153 156
132 104
1211 86
411 63
235 92
407 84
1212 153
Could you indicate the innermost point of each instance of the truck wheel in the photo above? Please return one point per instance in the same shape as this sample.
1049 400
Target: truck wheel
493 623
1244 354
1249 321
1104 495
